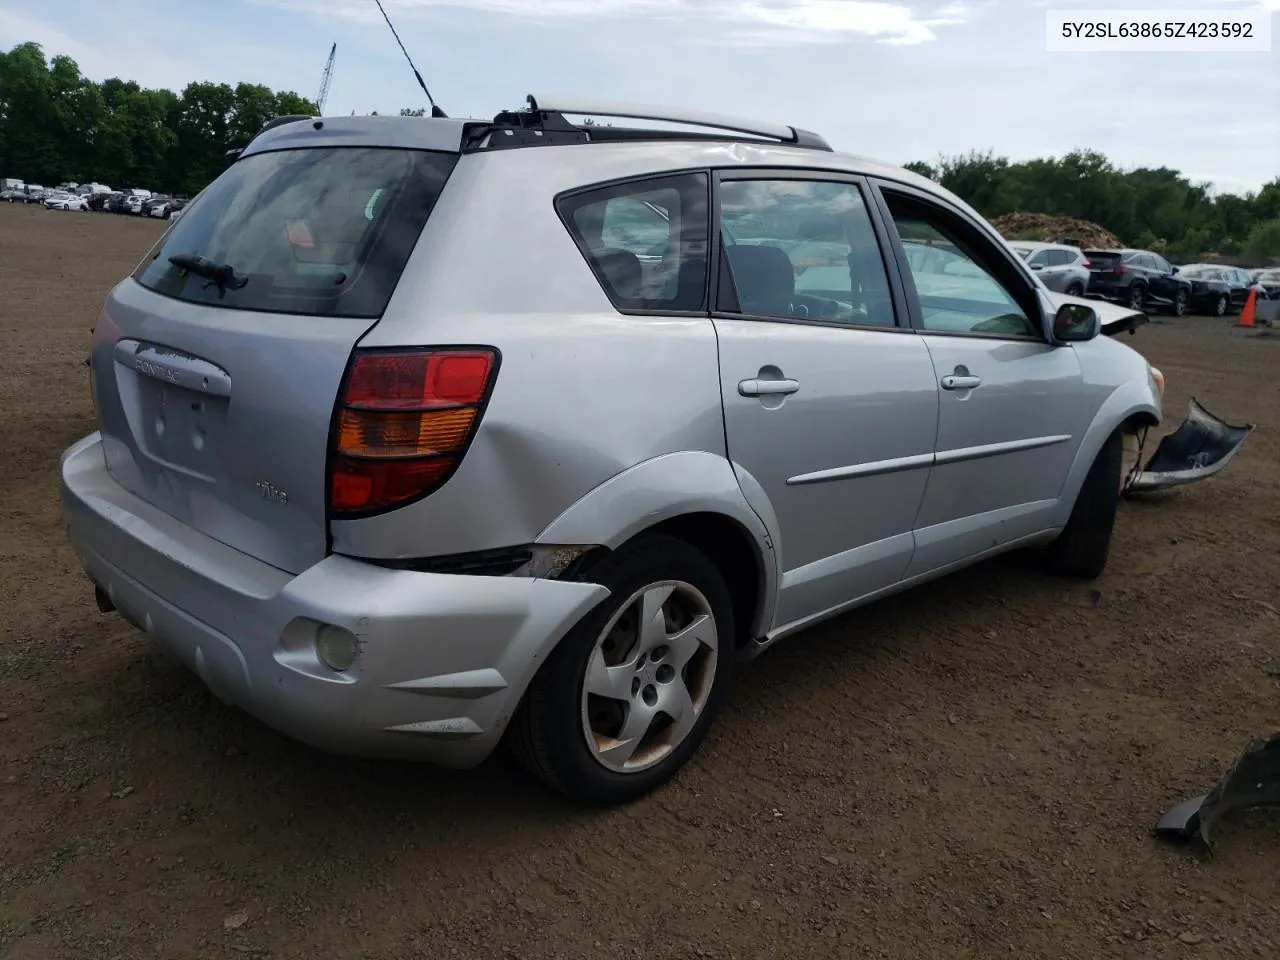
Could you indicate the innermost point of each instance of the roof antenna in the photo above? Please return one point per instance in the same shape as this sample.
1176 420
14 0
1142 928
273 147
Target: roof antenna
435 110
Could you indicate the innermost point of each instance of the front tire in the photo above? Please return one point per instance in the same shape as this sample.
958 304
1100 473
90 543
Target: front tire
1082 548
1220 305
1180 303
628 695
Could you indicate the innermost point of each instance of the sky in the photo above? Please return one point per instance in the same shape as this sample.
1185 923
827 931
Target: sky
897 80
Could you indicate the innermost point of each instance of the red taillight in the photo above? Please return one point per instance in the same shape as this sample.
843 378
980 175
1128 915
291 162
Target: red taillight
1088 264
1119 269
404 420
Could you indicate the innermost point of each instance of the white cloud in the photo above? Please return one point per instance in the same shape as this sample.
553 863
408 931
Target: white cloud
734 22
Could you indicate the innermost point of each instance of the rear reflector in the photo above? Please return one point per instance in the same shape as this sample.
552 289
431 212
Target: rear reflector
405 419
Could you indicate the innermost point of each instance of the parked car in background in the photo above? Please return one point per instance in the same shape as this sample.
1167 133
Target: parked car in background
1140 279
35 193
330 476
1216 289
101 201
1269 280
1250 283
56 200
1061 268
167 207
13 195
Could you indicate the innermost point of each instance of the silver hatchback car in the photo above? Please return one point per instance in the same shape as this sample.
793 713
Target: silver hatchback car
419 435
1061 268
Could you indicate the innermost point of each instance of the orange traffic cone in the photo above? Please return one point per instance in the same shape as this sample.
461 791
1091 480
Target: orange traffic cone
1246 315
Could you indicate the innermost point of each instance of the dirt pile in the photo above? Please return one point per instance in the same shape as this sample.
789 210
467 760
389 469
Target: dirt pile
1043 227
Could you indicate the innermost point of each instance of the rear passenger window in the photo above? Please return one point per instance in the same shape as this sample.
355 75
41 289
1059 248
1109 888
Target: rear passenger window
322 230
802 250
645 240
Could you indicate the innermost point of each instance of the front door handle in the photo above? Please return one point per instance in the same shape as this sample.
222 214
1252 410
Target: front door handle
767 388
954 382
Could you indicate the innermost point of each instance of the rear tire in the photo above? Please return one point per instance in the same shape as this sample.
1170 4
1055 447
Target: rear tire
1137 297
1082 548
661 649
1220 305
1075 290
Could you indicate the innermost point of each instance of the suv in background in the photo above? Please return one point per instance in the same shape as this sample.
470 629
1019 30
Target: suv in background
1061 268
396 503
1139 279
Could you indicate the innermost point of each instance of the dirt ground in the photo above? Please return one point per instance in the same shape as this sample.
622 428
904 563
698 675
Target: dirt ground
971 770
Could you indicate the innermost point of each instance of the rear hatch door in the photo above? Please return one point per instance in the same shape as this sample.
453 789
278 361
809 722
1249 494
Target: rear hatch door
1102 261
216 366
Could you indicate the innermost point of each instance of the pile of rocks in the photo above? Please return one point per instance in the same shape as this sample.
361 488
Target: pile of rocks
1043 227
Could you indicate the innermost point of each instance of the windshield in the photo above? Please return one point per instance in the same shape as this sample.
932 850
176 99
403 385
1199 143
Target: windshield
314 231
1023 252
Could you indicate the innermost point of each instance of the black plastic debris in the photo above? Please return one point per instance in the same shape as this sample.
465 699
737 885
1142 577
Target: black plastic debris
1201 446
1253 781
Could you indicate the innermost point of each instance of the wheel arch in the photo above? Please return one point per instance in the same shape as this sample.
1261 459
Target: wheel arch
695 497
1130 407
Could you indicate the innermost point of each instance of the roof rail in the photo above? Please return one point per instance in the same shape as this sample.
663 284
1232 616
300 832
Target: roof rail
793 136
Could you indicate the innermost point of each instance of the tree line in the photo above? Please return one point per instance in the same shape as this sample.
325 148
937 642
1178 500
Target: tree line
1152 208
57 125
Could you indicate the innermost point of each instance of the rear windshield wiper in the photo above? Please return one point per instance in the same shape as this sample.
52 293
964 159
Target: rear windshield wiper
222 274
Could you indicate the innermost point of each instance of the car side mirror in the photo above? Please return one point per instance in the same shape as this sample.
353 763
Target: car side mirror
1075 323
1174 269
1037 266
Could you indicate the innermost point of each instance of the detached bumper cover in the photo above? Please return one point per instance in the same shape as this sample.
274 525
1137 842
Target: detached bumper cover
1253 781
1198 449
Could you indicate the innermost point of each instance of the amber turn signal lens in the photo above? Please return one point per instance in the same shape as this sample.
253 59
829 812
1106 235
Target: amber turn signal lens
362 433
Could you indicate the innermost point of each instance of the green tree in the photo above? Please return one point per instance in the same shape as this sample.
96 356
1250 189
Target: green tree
1263 242
57 125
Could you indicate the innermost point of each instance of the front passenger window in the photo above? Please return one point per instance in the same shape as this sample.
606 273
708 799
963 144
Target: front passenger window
957 291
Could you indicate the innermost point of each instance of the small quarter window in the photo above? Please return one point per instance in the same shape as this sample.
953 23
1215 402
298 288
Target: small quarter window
645 240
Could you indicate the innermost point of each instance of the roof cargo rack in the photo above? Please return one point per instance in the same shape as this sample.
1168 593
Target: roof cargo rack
543 122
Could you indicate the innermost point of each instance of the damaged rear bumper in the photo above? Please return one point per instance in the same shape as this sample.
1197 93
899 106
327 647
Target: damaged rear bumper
1200 447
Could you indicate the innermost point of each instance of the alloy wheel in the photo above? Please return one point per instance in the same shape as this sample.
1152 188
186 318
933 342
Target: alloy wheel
650 674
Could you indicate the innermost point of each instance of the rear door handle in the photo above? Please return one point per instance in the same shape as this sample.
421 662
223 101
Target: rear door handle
767 388
953 382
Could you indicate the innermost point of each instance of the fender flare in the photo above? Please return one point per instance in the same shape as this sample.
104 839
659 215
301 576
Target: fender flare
1127 400
670 486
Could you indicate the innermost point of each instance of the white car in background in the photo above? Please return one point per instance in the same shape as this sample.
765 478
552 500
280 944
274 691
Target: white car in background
65 201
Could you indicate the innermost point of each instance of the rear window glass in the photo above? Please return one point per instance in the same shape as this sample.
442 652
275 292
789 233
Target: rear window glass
314 231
